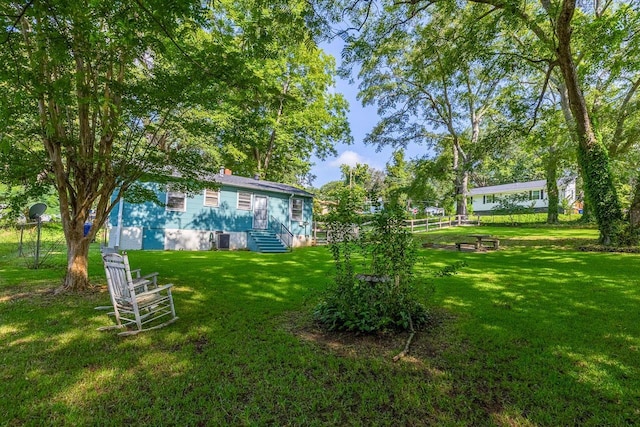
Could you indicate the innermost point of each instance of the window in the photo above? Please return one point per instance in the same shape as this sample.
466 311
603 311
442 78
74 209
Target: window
244 201
536 194
489 198
296 209
176 201
211 198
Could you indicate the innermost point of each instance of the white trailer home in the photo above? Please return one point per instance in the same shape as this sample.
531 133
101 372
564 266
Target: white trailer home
484 200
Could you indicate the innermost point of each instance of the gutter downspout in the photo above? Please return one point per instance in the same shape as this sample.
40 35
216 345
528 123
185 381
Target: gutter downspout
119 226
290 213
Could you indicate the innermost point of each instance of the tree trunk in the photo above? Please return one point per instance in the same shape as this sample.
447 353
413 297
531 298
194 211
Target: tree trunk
461 193
551 174
77 277
634 209
592 155
461 180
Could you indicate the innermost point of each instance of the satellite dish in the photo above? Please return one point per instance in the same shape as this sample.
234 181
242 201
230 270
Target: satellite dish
36 210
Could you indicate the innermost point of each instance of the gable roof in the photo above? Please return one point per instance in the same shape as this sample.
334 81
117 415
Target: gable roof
510 188
259 184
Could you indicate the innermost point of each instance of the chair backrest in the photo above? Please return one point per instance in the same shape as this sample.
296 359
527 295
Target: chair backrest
119 279
107 250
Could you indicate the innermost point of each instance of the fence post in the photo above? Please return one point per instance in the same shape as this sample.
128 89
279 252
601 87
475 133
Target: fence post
411 224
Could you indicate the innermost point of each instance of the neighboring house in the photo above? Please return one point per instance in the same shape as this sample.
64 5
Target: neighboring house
485 200
434 210
223 217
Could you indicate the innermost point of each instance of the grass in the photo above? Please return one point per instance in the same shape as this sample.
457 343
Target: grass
537 333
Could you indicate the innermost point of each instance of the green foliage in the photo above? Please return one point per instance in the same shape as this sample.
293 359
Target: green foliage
286 109
512 205
381 299
342 228
600 192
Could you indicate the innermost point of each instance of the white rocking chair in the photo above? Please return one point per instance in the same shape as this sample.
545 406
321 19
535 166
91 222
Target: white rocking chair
139 281
136 302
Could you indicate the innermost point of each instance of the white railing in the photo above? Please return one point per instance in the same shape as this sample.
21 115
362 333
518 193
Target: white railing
319 231
281 231
426 224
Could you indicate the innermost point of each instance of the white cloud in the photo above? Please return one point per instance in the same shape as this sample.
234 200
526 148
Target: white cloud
350 158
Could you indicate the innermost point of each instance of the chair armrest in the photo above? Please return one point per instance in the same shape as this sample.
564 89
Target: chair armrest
137 273
151 278
156 290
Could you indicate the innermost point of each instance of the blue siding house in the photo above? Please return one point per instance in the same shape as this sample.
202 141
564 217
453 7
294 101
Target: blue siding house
244 213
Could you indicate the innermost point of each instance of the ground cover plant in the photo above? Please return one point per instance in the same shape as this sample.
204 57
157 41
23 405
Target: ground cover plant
537 333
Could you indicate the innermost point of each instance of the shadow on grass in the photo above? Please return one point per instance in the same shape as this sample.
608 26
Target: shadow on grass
534 336
551 332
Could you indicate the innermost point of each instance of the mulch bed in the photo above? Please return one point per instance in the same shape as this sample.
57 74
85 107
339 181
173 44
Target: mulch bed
601 248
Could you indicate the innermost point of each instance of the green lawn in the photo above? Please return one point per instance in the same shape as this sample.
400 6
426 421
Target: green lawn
537 333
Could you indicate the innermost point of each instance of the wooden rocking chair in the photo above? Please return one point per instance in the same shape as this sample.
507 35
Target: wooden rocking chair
136 302
141 282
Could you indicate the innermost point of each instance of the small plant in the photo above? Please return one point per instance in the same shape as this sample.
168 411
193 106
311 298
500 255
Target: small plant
381 298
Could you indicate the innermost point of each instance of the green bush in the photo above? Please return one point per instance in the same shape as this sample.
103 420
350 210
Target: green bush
382 297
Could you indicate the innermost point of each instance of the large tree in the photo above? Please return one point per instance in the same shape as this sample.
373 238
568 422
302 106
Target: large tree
551 35
435 82
86 106
274 126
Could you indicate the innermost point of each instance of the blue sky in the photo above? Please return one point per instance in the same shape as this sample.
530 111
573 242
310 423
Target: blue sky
362 120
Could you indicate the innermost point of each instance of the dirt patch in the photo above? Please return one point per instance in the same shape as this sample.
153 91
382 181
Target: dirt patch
427 343
41 292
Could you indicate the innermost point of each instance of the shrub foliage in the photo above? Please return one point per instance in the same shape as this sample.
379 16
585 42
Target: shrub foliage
380 297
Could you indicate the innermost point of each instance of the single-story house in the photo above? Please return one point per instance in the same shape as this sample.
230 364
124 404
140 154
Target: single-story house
484 200
243 213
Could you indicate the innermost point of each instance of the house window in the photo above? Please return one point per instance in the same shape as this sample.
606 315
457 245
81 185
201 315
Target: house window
211 198
244 201
489 198
536 195
176 201
296 209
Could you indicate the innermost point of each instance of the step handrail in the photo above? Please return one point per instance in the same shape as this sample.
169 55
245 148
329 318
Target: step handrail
281 231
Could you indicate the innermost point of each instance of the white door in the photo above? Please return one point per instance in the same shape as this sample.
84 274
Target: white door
260 213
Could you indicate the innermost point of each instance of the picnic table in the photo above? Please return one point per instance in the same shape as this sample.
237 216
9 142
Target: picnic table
481 241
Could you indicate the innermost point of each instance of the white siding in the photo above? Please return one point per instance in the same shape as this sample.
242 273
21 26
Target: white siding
199 240
130 238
